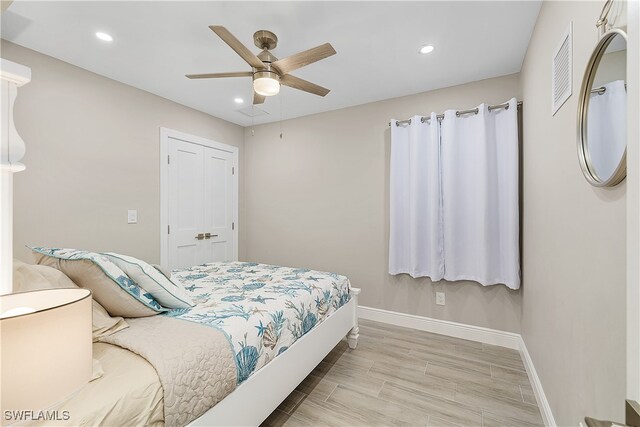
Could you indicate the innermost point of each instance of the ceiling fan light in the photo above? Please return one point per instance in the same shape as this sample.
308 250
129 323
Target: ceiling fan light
266 83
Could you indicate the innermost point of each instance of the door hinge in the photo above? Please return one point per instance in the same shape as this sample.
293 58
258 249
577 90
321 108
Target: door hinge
233 171
233 225
168 229
168 159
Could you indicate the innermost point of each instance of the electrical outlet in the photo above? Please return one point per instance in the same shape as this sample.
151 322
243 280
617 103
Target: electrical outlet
132 216
440 298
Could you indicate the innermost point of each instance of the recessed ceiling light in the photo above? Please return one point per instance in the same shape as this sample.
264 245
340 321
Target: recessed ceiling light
427 49
104 36
238 100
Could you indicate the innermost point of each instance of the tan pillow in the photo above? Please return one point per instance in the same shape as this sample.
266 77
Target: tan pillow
35 277
110 286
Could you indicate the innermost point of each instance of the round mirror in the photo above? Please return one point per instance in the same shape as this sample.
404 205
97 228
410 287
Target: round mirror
602 112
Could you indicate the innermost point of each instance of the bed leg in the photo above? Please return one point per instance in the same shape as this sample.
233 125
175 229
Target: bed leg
354 333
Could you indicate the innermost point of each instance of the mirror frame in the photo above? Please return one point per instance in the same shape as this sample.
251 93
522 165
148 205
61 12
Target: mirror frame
583 110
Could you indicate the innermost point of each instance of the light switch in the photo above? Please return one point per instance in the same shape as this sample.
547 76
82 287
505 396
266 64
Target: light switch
440 298
132 216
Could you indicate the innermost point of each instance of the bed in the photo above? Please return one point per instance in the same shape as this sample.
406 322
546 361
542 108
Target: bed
267 326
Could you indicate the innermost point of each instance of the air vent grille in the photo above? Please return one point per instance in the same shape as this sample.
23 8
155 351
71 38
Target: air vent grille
252 111
562 71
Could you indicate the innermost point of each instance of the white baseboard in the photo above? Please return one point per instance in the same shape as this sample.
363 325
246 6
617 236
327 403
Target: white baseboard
467 332
444 327
541 398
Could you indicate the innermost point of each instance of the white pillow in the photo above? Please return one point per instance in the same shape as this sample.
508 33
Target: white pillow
168 293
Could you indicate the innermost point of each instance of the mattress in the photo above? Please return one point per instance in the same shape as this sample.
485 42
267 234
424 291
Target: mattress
128 393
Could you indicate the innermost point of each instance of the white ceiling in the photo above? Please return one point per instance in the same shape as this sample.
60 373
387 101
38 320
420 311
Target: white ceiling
156 43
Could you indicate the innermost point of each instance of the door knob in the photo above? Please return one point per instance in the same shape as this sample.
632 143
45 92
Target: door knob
209 235
200 236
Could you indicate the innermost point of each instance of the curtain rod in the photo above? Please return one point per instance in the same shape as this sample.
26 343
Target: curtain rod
603 89
504 105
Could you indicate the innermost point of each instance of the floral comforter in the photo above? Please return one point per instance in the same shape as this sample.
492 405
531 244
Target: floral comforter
262 309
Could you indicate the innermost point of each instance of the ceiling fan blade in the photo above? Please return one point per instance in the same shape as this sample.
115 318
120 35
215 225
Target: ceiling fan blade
297 83
257 98
218 75
298 60
237 46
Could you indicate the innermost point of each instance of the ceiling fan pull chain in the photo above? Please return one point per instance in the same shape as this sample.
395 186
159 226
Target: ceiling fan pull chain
280 117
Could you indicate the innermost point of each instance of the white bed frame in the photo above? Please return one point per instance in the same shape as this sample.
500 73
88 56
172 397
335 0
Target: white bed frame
254 400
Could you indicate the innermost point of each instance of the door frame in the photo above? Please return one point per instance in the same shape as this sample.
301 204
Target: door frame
165 135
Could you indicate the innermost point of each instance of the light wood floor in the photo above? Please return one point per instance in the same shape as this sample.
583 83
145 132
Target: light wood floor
401 376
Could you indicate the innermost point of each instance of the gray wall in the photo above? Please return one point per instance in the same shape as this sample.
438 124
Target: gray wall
574 239
92 153
319 198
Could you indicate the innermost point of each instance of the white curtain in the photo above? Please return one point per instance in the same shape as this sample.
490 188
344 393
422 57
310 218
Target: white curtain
480 196
454 210
415 235
607 128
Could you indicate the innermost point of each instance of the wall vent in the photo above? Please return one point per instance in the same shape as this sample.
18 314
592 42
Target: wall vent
562 70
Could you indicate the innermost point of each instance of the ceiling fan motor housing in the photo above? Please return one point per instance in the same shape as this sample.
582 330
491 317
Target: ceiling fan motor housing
267 57
266 74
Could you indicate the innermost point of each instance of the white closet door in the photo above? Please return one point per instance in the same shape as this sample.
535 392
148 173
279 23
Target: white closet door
202 203
218 206
186 211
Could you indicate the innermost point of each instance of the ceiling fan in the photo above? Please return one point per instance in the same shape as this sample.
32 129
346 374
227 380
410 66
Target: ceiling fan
269 72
